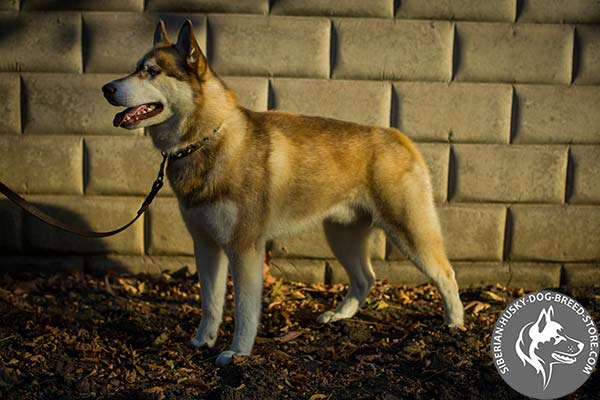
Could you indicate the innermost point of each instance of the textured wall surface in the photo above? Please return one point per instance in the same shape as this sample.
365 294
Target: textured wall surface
502 97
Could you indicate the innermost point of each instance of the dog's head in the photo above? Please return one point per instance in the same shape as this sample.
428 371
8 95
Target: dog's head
544 343
167 82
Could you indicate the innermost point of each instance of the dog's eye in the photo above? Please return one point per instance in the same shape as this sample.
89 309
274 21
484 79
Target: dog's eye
557 339
153 72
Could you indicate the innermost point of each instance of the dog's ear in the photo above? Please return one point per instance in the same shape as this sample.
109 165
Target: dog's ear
160 34
188 47
544 318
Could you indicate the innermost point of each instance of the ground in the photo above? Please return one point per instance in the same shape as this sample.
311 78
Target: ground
78 336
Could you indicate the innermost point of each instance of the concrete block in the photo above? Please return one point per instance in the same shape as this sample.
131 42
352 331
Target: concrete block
312 244
586 174
398 273
469 10
347 8
560 11
579 275
9 5
48 42
298 270
437 157
133 265
588 42
456 112
11 227
555 233
270 46
510 173
87 5
122 166
471 232
167 233
535 276
557 114
361 102
527 53
90 212
252 93
42 164
113 46
395 272
10 103
210 6
392 50
69 104
51 265
481 273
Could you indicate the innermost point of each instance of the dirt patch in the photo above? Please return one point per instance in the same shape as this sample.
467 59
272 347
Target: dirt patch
71 337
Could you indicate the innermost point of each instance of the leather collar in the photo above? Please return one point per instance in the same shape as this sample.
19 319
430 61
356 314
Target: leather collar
191 148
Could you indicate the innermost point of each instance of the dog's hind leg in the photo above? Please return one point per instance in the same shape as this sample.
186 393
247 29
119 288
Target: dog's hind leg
350 245
429 256
246 269
211 264
411 223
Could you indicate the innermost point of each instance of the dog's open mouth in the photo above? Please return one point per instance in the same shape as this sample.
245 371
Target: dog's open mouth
563 358
133 115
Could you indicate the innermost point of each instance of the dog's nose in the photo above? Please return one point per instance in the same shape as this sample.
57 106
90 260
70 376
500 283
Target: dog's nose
109 89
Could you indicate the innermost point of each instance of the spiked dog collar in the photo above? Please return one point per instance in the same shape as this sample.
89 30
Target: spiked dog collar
191 148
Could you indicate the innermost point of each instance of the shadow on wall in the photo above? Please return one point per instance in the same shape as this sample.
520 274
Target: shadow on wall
51 32
9 27
30 245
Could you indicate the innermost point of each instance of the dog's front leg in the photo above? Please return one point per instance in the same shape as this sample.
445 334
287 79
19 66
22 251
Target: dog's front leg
211 263
246 268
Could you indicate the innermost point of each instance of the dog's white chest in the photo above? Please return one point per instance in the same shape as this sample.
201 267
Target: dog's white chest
217 219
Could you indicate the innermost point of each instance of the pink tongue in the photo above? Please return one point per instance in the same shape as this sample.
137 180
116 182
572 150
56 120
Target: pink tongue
120 117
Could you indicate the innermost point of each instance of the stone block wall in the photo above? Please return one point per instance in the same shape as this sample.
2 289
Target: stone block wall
502 97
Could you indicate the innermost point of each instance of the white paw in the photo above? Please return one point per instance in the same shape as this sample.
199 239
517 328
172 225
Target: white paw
330 316
456 325
225 358
455 321
204 340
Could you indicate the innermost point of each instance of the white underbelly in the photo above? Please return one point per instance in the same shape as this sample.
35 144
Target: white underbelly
282 226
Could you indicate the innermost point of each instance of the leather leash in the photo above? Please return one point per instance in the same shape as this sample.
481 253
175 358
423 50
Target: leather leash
41 215
156 186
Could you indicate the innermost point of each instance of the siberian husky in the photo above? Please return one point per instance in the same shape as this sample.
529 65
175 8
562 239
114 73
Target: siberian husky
243 177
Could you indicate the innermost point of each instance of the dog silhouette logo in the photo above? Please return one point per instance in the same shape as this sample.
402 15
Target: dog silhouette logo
545 345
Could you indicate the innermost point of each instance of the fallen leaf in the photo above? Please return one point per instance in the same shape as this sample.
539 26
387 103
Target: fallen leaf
381 305
163 337
477 307
492 296
269 279
296 294
289 336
